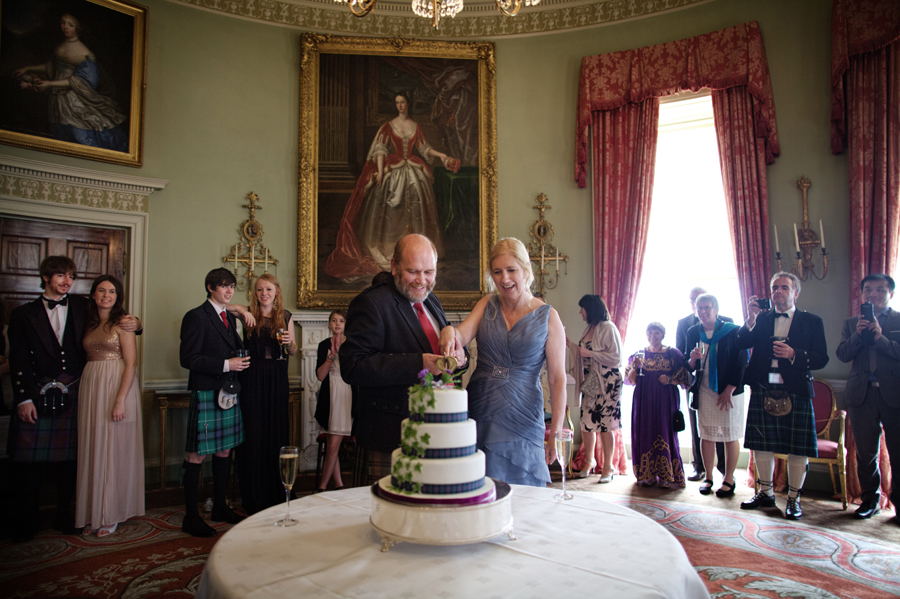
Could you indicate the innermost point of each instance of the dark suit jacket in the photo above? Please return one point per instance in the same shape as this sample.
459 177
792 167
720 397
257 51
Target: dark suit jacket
852 349
681 330
383 357
35 352
731 362
806 337
205 345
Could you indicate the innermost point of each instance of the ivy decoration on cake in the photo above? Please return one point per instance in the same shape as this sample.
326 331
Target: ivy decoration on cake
413 443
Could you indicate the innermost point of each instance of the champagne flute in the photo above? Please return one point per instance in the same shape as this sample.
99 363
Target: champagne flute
288 461
279 334
639 355
563 441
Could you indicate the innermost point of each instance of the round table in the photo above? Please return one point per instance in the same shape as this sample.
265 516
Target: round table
578 548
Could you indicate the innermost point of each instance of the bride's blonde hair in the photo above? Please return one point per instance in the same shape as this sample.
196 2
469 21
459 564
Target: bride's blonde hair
516 249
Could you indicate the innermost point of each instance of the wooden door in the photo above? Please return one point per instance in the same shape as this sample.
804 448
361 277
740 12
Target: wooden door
25 243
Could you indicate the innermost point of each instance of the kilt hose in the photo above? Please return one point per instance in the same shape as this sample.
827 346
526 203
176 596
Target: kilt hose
794 433
210 428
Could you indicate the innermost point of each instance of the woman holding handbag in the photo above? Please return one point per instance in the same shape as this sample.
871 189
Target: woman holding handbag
599 355
718 389
655 373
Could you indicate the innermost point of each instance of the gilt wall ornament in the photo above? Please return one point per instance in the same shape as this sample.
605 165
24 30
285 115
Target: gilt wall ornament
250 253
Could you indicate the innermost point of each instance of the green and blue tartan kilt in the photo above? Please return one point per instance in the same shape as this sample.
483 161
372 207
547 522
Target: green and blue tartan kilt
794 433
49 439
210 428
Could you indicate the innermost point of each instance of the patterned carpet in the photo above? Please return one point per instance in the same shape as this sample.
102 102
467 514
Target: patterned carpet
748 554
738 554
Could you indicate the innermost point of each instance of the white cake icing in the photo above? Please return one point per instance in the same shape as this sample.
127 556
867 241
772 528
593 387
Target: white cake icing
438 459
443 435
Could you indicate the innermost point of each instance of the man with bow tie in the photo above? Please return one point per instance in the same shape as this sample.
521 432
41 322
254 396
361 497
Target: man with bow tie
787 345
46 360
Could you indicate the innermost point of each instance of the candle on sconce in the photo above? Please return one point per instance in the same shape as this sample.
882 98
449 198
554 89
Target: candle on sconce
557 261
777 249
235 257
542 257
796 238
267 260
822 234
251 257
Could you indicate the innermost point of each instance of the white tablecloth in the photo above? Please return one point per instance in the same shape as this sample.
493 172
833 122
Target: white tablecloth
584 547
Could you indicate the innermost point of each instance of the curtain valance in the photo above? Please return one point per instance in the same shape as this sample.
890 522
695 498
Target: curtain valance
728 58
857 27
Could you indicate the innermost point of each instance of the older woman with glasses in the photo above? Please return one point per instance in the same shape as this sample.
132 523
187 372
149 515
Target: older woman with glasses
718 389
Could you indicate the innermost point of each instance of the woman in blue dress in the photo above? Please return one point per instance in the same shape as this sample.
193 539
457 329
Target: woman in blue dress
516 334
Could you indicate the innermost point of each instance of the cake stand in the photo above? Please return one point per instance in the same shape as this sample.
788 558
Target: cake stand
396 521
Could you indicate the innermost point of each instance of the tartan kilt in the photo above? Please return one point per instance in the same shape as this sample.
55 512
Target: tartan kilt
49 439
210 428
793 433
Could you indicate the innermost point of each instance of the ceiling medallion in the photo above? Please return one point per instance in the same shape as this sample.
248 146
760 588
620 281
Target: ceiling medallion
438 9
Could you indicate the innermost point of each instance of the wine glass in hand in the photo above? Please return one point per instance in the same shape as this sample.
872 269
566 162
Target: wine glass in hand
563 441
639 360
280 335
288 462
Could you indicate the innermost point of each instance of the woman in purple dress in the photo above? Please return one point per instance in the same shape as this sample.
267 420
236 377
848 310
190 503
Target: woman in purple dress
654 441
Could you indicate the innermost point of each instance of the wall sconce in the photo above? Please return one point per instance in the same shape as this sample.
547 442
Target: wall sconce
540 250
256 254
805 241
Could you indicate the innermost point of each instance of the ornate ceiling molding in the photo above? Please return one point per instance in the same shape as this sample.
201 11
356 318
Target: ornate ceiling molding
478 20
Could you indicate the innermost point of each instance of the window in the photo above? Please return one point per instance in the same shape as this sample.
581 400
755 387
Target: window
689 243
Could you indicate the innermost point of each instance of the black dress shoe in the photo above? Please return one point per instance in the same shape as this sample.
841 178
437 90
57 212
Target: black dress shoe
792 511
196 527
226 515
868 509
697 475
759 500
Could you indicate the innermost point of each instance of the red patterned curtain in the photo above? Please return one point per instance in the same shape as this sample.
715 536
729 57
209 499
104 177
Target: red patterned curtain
623 190
865 118
730 58
742 158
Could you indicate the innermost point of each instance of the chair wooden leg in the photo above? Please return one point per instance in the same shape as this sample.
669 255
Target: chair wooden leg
842 472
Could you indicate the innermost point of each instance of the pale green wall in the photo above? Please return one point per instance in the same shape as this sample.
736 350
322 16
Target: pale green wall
222 120
537 87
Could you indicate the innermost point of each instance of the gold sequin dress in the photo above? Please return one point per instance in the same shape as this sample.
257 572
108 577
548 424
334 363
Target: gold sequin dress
110 486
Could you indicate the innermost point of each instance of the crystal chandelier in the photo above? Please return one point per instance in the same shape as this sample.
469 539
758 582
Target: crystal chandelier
438 9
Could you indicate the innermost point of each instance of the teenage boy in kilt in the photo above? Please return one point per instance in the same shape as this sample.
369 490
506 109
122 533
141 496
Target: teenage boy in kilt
209 341
787 345
46 355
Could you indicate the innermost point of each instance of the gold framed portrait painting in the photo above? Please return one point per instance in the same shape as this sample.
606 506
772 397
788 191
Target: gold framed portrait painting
396 136
78 72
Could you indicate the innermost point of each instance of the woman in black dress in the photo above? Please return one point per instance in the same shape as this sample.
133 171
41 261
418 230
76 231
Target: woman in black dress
264 396
333 410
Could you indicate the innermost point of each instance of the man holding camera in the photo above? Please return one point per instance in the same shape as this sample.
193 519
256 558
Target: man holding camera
787 345
872 342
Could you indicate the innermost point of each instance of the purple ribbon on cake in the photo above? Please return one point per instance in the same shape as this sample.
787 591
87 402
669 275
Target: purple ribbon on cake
434 417
441 453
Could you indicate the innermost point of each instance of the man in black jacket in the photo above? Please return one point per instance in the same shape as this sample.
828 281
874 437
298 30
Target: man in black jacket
787 345
392 335
209 342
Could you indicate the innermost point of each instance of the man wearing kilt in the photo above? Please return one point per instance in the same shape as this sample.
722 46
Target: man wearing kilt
787 345
46 360
209 342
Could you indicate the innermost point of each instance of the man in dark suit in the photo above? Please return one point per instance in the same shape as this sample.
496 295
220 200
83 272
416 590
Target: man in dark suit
872 396
46 360
209 343
787 345
681 343
392 335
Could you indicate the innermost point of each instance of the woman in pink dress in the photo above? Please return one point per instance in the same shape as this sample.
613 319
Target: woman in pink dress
393 196
110 487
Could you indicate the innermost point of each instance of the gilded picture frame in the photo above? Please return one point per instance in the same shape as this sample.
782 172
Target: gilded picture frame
353 90
78 77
